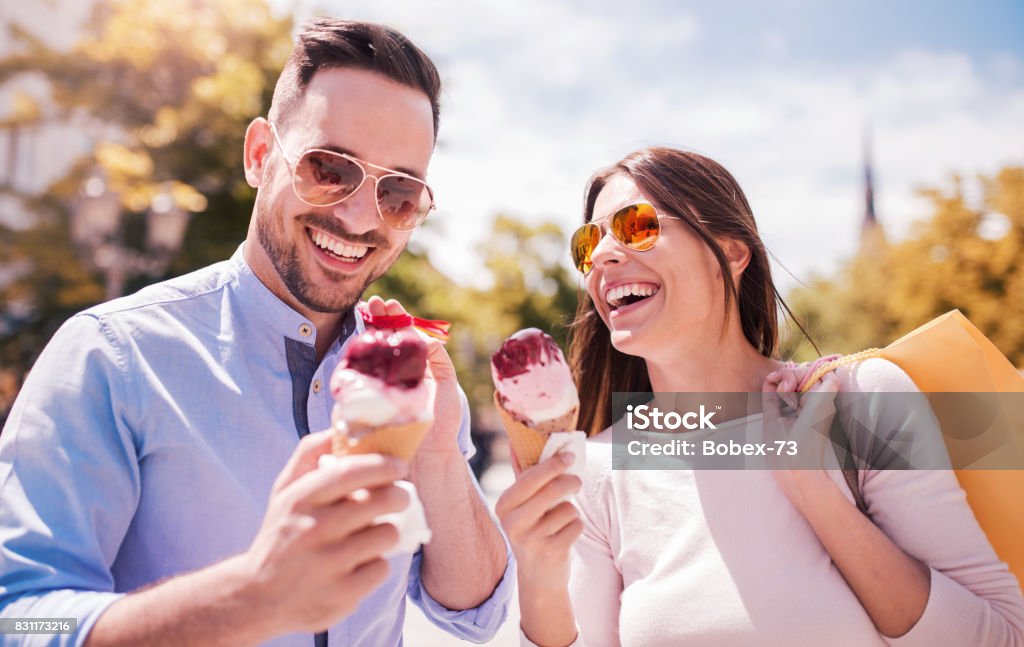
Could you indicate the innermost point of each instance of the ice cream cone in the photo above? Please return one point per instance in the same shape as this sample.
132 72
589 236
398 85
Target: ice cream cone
528 442
400 441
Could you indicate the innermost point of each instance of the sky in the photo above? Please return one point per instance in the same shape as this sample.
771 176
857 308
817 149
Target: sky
541 93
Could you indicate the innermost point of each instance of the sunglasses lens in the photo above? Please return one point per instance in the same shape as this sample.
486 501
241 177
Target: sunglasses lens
636 227
323 178
404 201
582 245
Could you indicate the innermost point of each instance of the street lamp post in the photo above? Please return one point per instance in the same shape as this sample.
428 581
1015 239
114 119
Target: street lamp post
97 231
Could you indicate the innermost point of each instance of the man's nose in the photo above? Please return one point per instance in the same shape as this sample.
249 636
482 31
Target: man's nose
359 210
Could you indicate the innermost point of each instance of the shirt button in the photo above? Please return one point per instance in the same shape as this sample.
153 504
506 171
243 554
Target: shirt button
305 330
316 386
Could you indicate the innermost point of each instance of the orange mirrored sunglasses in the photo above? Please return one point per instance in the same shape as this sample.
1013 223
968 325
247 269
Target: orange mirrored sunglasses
636 226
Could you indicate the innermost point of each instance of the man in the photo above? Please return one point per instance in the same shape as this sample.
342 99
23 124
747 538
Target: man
153 451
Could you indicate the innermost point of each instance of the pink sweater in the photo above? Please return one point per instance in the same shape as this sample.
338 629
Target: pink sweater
722 557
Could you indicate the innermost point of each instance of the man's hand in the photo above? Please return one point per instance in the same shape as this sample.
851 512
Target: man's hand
318 552
442 381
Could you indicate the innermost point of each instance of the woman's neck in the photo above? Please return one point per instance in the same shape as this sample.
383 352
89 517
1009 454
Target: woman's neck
723 363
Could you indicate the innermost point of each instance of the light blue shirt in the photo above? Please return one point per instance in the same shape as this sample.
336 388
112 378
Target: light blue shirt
145 442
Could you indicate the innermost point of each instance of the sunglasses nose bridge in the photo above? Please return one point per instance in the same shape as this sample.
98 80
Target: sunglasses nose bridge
359 209
608 250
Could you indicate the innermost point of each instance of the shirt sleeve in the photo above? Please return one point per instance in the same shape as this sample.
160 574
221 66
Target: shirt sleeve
973 598
480 623
69 483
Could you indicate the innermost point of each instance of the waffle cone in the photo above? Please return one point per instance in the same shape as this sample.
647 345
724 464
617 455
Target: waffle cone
528 442
400 441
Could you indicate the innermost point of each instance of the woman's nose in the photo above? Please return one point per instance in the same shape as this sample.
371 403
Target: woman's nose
608 251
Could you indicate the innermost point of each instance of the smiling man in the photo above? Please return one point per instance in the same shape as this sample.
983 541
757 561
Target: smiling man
158 478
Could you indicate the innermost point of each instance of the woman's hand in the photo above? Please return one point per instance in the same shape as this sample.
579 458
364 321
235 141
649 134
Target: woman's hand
798 426
540 522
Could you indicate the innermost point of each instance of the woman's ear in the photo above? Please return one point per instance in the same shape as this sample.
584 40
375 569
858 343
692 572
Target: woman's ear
255 151
737 253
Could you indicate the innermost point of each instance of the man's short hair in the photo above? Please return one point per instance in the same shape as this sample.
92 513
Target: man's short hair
325 43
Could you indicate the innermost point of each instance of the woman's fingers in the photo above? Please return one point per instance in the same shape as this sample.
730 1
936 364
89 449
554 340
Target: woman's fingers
556 518
531 481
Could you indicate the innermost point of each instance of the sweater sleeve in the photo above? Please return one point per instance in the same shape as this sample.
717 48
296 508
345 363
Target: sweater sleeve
973 599
595 584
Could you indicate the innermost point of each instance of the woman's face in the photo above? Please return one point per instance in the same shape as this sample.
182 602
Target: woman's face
653 302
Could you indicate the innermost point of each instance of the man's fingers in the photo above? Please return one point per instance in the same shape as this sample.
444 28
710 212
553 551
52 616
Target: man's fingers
367 577
394 308
359 510
376 306
333 482
364 546
304 459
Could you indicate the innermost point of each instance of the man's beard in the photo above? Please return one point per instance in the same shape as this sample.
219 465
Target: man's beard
285 259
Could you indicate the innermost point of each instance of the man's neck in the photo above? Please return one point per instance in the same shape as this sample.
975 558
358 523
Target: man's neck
328 325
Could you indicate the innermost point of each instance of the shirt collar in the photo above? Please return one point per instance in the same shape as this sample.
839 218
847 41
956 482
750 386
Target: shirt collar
274 312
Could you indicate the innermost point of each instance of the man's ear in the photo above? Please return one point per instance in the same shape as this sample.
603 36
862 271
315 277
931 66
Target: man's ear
258 140
737 254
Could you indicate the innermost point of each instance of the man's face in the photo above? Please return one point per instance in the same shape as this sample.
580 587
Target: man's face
323 258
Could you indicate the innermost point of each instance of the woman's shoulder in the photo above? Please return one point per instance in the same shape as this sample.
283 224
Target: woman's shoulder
875 375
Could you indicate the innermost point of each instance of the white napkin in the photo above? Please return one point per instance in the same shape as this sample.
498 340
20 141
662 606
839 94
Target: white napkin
571 442
411 522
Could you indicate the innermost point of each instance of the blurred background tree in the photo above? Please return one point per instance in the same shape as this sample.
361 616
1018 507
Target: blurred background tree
969 255
164 91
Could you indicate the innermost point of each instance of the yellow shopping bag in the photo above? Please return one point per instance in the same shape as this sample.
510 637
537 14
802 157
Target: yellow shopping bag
965 375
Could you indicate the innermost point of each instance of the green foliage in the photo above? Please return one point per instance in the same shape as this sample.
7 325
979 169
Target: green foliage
964 256
165 90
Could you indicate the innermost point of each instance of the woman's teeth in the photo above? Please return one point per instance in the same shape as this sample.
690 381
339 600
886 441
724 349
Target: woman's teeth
630 293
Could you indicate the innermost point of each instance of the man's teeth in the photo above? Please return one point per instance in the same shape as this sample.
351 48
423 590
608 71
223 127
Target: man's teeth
617 296
323 241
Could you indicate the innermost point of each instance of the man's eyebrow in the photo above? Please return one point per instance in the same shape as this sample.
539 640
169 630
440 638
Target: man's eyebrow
345 151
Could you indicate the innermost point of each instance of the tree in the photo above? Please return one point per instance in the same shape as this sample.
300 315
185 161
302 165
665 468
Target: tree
165 91
966 256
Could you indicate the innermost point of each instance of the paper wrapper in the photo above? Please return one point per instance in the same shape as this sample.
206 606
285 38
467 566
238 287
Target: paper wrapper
411 522
568 442
400 441
527 442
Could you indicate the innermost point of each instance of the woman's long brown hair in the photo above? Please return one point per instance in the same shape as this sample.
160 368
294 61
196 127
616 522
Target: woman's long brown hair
700 192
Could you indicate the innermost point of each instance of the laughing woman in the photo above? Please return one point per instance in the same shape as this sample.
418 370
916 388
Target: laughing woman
679 298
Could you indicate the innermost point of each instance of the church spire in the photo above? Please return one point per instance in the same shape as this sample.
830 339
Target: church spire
871 234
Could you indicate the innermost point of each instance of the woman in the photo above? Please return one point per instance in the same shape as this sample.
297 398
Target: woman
680 299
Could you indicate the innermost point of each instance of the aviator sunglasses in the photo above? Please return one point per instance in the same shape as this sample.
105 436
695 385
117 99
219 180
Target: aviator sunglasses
635 226
323 178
